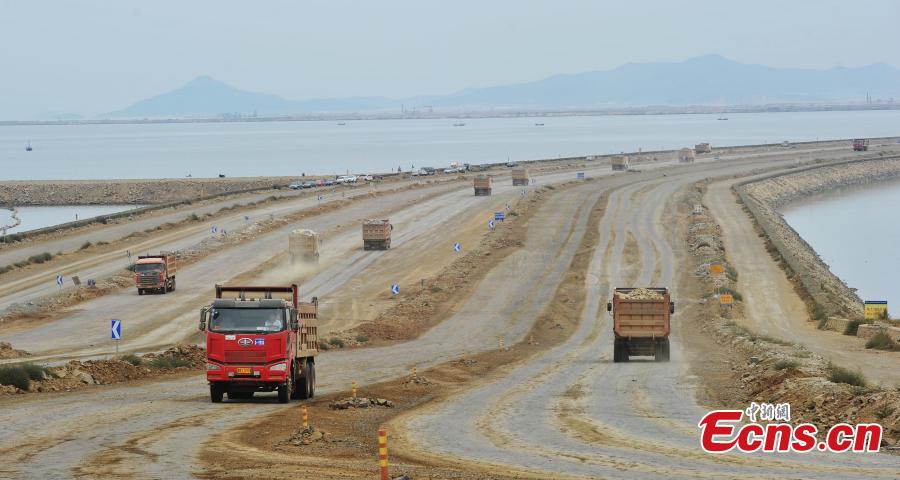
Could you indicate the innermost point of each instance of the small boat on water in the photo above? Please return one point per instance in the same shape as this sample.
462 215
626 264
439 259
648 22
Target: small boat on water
459 124
28 147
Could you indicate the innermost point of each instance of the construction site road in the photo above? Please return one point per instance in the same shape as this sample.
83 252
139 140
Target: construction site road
573 411
157 426
152 322
592 418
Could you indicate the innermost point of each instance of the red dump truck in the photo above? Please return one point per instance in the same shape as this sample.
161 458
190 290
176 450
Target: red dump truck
155 273
860 144
260 339
641 323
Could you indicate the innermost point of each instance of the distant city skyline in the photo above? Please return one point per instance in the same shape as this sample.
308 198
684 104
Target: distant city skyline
89 57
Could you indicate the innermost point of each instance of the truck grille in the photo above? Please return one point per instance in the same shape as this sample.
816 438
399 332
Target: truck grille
245 356
149 280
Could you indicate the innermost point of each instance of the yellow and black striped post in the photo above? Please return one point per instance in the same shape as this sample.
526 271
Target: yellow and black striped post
354 390
415 374
500 342
382 453
305 418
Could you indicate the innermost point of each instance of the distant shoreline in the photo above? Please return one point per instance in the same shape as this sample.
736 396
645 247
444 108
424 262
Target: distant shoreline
461 114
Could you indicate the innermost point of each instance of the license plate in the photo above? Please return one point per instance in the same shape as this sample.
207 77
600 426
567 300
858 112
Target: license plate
244 371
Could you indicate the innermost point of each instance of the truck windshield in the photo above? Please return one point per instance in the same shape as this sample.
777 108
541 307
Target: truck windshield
247 320
147 267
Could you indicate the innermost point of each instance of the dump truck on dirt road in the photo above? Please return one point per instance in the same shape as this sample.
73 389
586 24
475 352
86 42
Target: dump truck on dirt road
860 144
641 323
686 155
702 148
260 339
619 162
303 245
520 177
376 234
155 273
483 185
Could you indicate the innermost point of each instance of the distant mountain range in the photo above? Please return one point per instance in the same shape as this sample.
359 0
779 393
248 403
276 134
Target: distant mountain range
706 80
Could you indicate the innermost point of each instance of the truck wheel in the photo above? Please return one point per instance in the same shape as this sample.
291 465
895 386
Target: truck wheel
284 391
216 393
665 351
173 284
304 382
617 353
140 291
312 381
295 394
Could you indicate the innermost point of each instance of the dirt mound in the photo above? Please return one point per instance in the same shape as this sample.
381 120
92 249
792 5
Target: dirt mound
640 294
7 351
359 402
307 436
78 374
192 356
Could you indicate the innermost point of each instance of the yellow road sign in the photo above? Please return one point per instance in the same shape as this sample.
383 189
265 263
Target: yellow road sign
716 269
875 309
726 299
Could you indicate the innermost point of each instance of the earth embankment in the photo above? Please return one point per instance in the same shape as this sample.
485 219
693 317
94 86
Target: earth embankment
764 197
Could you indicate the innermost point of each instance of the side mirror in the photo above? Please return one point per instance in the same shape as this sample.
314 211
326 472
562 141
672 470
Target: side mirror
608 306
315 301
671 307
204 312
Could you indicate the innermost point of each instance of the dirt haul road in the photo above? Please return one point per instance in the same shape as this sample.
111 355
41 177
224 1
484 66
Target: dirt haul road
772 306
37 282
573 411
155 321
153 429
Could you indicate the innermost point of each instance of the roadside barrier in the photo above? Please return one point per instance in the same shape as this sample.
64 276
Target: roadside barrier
354 390
305 418
382 454
415 373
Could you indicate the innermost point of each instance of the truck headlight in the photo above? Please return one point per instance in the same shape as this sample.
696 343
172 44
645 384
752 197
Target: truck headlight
212 366
278 367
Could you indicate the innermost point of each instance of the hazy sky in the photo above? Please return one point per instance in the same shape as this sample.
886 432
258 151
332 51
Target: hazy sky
89 57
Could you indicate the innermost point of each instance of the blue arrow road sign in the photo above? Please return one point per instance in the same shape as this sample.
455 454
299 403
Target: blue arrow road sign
499 216
214 229
457 247
59 280
579 175
395 289
116 330
491 224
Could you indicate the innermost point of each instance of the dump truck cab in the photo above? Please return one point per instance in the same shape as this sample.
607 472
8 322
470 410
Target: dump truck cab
155 273
260 339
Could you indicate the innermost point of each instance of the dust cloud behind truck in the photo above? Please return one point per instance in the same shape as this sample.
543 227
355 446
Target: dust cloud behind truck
619 162
641 323
155 273
303 246
520 177
260 339
483 185
686 155
376 234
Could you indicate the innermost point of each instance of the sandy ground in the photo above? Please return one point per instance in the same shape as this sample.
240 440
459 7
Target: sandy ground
564 408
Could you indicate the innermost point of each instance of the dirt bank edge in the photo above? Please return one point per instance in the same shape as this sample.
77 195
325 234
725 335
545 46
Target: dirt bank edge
825 293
